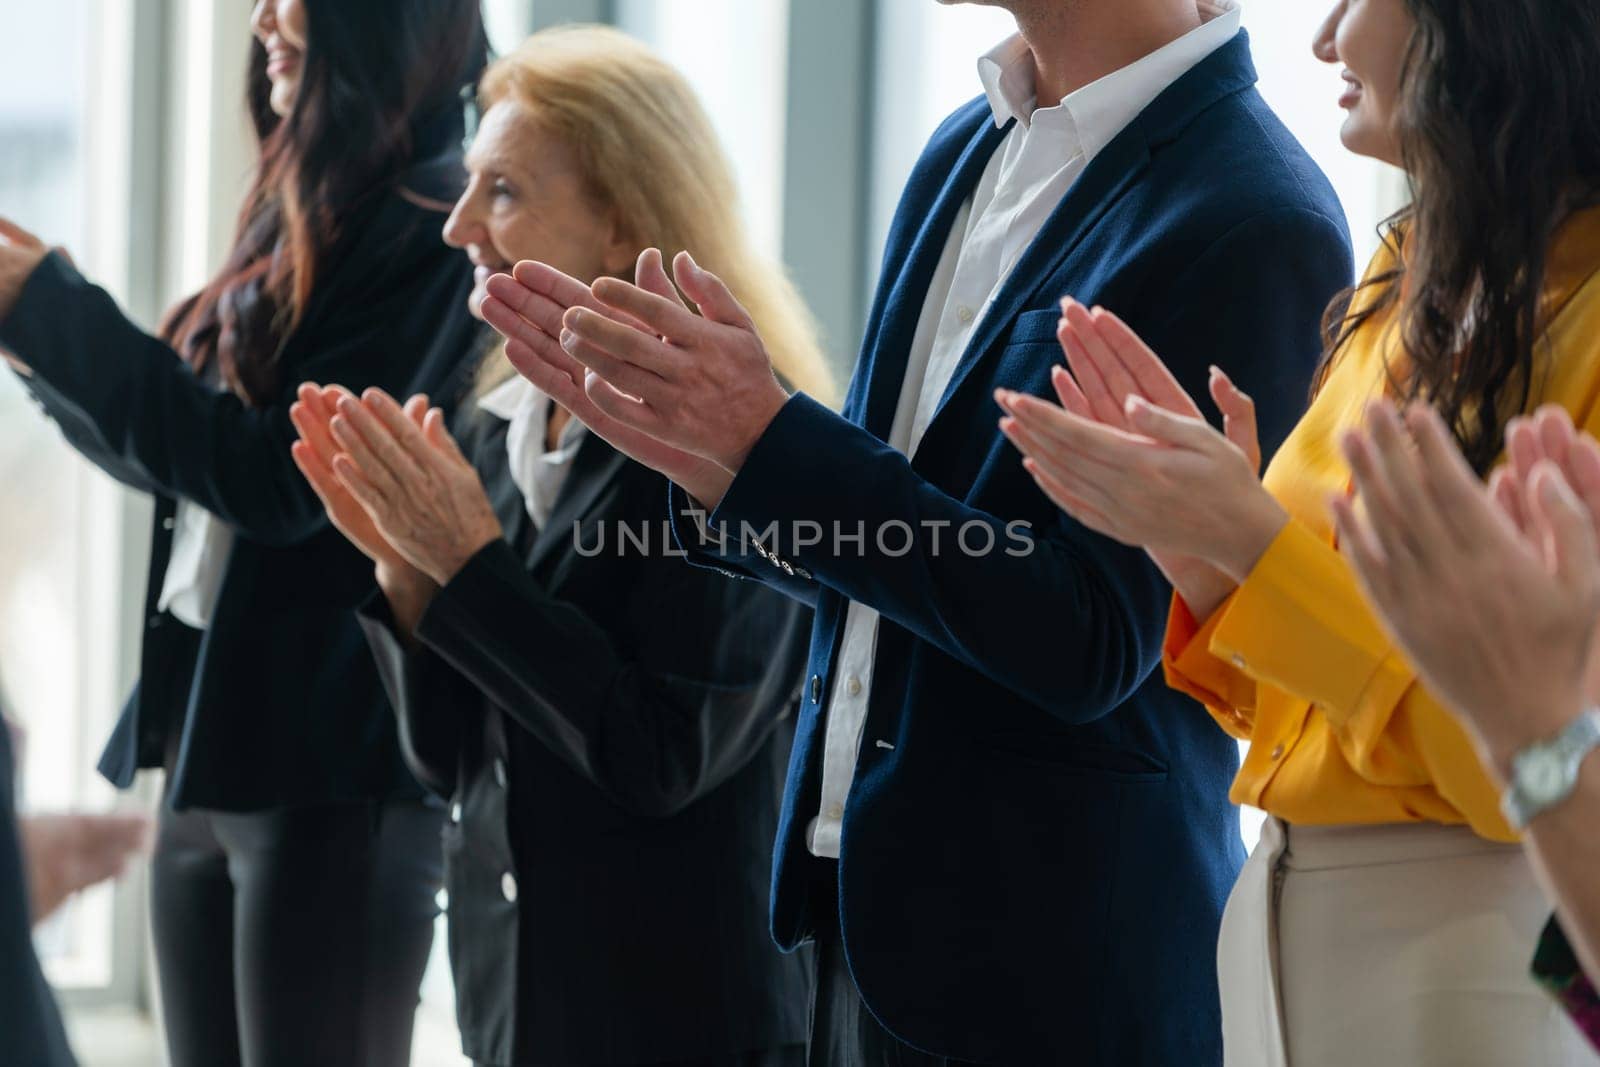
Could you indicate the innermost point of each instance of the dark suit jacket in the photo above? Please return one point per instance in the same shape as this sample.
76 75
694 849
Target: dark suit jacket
30 1025
277 702
612 727
1038 843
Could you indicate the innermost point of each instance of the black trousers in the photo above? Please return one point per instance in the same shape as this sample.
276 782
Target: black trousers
294 937
844 1032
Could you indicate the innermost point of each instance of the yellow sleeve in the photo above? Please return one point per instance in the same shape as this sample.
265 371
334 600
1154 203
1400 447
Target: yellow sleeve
1300 623
1227 693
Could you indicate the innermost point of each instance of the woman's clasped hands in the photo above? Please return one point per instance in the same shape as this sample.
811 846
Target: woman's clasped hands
395 483
1129 455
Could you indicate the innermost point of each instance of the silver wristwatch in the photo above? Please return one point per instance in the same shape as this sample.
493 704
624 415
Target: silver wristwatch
1544 774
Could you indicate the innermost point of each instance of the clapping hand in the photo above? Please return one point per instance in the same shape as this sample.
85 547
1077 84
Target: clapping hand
1128 454
684 393
1493 594
64 854
423 502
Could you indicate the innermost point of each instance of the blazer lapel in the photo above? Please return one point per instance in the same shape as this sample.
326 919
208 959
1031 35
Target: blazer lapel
593 469
875 390
1109 175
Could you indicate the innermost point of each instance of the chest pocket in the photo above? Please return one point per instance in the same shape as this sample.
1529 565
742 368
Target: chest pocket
1035 328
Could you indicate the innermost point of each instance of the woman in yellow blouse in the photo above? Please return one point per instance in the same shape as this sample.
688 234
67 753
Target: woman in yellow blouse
1384 918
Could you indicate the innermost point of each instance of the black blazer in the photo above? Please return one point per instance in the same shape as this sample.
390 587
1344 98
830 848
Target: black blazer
277 702
30 1025
612 728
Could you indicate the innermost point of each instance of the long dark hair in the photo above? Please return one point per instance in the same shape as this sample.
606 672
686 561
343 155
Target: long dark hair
375 74
1499 126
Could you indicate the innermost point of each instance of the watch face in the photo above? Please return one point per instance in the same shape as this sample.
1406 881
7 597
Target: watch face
1544 775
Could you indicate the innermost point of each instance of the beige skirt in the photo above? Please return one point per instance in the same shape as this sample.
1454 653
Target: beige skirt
1364 946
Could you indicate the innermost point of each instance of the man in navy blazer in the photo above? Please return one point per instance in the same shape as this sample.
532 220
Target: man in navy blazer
1009 840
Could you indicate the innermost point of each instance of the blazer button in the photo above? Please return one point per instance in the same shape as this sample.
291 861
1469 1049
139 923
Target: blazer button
154 622
168 523
508 887
500 777
816 689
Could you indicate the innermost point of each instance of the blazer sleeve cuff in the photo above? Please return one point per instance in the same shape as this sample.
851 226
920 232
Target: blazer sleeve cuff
703 543
1300 623
456 611
46 295
1190 667
765 512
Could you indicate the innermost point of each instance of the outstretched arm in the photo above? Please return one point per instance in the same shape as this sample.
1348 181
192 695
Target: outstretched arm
130 403
1500 621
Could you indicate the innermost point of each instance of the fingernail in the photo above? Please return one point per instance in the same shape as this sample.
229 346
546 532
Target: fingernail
569 340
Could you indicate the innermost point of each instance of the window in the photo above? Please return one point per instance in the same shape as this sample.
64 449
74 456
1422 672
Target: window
59 518
735 55
927 66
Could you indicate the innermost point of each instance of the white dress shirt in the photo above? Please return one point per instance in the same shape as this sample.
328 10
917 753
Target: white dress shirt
1034 167
201 544
537 471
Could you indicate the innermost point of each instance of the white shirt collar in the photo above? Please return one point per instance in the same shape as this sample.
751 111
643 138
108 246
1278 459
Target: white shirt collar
519 398
535 470
505 399
1100 110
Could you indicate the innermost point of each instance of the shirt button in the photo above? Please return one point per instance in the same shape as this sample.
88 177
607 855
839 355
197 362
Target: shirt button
500 778
964 313
816 689
168 523
441 900
455 813
853 686
1277 753
508 887
835 811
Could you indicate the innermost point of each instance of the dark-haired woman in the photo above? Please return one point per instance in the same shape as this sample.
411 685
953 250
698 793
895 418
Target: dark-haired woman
296 862
1386 917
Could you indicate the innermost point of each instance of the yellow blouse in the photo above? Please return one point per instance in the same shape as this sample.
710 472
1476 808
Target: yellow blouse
1296 663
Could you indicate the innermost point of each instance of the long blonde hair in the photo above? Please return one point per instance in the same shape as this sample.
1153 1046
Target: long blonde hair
648 153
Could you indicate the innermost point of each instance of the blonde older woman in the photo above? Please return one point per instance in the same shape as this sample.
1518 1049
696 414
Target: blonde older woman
607 722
